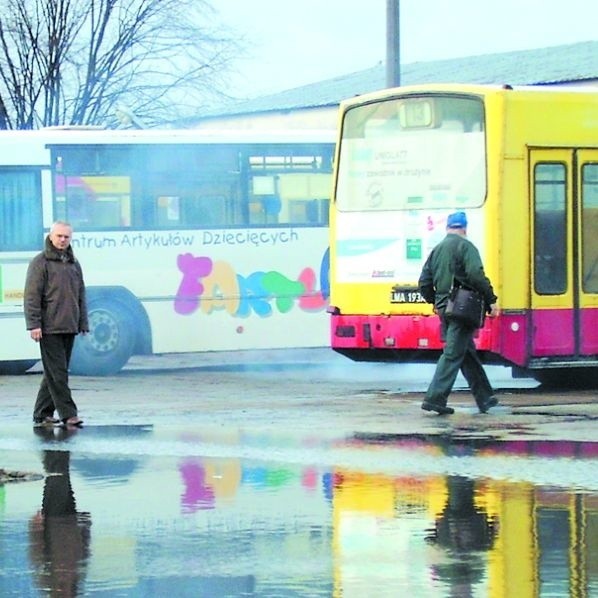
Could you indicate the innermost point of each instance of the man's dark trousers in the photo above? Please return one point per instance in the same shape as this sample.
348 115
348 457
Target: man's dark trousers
459 354
54 391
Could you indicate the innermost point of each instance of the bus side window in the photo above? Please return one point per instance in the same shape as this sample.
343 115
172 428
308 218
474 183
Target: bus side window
94 202
265 203
196 204
205 210
308 211
304 198
550 221
20 209
589 222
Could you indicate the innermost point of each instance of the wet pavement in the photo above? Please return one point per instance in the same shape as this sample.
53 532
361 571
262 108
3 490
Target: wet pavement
298 474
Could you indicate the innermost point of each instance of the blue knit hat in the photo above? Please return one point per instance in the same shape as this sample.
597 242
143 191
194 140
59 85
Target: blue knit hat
457 220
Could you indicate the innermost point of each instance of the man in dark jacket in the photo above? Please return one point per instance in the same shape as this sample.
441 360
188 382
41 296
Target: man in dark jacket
55 312
456 258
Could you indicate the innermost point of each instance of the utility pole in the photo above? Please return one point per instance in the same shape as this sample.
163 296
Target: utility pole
393 39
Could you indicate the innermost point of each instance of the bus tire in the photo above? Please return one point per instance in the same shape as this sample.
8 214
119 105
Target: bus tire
108 345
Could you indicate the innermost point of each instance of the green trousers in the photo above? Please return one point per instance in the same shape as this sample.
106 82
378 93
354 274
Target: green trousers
459 353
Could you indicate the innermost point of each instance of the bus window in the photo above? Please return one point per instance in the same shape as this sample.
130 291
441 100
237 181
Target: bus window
93 202
293 198
189 201
91 190
421 152
20 210
174 186
589 223
292 187
550 221
190 186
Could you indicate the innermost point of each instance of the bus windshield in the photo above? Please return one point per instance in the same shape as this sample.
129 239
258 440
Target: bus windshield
414 152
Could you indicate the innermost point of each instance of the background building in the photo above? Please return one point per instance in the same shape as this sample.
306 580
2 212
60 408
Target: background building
315 106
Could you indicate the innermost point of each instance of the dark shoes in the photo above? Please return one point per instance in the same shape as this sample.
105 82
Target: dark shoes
491 402
48 421
427 406
45 421
442 410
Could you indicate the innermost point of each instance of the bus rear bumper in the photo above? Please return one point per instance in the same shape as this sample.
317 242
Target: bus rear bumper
403 338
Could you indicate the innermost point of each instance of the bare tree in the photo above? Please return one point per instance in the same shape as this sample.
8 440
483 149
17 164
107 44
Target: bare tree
82 62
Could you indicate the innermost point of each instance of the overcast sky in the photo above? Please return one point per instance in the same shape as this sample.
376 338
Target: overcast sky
295 42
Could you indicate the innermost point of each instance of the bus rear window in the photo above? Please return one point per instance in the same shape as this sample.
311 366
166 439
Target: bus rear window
412 152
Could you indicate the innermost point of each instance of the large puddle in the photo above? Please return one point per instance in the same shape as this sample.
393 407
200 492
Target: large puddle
144 511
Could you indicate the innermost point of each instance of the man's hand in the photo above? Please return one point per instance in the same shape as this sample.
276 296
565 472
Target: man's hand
493 310
36 334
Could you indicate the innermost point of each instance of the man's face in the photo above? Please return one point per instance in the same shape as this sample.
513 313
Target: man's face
60 236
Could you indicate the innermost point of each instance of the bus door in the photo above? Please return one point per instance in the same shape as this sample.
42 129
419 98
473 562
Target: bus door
564 252
587 218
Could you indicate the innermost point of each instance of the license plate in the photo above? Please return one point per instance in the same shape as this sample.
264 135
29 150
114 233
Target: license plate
406 295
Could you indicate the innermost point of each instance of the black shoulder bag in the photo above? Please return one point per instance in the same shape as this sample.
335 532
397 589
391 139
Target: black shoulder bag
466 305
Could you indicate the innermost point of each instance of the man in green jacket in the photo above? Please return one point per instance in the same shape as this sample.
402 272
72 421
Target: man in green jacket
55 312
455 257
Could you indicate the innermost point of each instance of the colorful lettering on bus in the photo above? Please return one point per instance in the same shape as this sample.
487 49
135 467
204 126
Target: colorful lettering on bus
245 294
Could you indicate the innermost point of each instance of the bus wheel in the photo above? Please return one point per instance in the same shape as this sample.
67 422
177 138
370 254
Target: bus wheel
109 343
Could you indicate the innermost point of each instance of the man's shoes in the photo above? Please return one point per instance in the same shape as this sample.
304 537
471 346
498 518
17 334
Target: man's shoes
73 422
441 410
491 402
45 421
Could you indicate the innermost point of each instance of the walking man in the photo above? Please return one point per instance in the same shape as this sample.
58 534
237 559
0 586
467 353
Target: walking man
55 312
456 258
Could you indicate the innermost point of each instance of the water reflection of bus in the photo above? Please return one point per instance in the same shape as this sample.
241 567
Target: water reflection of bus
281 528
452 535
523 164
190 241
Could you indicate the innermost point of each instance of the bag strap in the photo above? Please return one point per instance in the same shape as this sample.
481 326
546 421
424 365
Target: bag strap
457 282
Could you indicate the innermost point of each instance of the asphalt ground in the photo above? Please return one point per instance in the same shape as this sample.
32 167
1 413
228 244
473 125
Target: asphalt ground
311 389
195 468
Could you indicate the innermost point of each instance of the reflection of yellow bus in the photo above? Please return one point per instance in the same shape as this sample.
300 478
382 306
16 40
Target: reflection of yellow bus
189 240
379 523
523 164
547 543
449 535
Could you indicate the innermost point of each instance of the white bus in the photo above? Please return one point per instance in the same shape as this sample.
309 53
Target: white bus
189 240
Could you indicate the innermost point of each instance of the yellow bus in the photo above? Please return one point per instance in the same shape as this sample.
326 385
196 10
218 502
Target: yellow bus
190 241
523 164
